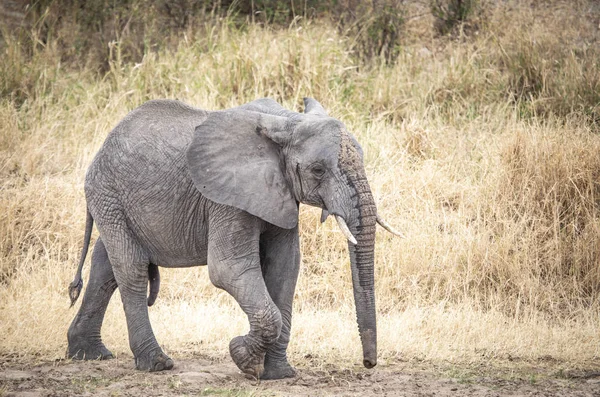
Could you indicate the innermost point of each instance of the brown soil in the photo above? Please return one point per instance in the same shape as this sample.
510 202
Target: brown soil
204 377
197 376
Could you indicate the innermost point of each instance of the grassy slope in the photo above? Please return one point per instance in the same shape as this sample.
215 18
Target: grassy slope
482 151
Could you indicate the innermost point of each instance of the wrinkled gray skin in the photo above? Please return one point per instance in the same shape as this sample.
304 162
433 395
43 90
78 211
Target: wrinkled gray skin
177 186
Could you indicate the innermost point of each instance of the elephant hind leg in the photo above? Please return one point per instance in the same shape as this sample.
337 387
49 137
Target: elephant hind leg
130 264
83 336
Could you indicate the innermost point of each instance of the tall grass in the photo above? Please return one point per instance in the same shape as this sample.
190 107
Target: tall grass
483 151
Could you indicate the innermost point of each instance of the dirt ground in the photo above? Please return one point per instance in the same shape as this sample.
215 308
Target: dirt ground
205 377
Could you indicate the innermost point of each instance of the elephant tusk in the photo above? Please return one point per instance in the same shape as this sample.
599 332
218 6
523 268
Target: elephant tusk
344 228
324 215
387 227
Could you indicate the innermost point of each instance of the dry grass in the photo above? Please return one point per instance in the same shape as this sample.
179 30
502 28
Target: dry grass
484 152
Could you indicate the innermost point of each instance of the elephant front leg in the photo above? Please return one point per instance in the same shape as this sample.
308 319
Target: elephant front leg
248 351
234 266
280 262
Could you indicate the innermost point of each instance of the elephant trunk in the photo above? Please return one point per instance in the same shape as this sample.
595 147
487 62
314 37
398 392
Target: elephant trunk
362 265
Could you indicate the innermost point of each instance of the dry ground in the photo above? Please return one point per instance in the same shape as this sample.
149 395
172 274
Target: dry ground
218 376
482 149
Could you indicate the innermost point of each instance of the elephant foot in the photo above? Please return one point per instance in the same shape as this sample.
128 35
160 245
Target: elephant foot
278 370
156 361
88 351
247 357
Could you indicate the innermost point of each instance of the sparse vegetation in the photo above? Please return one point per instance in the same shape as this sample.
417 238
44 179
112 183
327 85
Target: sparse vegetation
374 28
454 14
211 391
484 151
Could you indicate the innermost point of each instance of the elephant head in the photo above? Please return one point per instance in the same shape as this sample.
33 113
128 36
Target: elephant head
265 160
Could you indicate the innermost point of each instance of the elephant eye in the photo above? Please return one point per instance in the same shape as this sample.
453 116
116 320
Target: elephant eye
318 170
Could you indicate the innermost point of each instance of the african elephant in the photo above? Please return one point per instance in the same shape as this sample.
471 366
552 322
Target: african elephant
176 186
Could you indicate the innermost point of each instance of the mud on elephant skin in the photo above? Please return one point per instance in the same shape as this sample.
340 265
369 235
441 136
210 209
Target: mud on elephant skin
177 186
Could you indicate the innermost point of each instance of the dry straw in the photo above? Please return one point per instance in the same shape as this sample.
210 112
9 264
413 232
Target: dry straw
484 151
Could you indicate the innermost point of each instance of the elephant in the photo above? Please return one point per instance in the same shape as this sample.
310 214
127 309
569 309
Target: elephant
177 186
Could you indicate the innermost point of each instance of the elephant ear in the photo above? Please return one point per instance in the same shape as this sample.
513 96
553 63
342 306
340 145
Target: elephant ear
269 106
234 160
312 106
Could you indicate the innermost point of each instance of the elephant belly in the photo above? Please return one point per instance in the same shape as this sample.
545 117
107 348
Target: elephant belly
173 229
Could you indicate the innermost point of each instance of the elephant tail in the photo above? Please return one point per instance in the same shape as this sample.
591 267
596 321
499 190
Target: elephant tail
77 283
154 279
